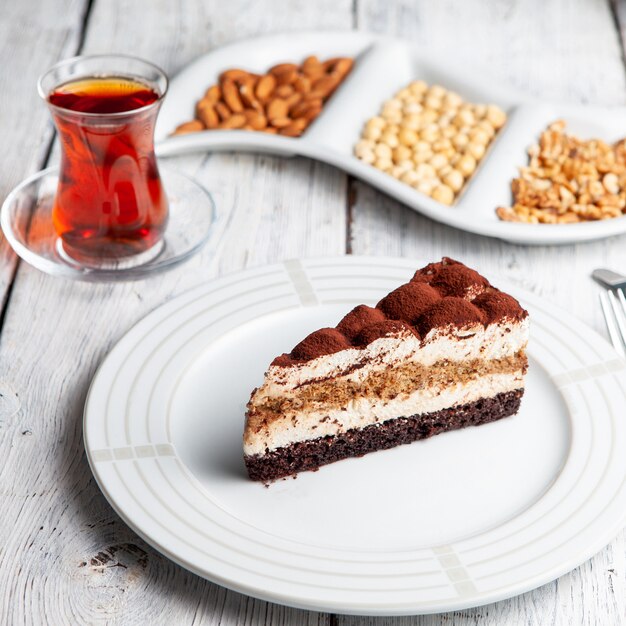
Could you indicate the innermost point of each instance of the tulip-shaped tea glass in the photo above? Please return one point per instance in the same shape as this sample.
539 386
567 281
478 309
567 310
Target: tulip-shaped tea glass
110 202
111 211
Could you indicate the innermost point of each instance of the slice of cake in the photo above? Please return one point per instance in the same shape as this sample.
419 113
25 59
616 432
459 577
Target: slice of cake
444 351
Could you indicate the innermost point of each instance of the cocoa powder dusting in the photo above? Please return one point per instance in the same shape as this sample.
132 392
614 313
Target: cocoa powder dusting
323 341
382 329
497 305
359 318
409 301
450 311
440 295
458 280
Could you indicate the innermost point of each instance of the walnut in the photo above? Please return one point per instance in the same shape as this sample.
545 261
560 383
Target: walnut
569 180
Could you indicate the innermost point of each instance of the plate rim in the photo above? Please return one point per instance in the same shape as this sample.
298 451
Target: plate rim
478 599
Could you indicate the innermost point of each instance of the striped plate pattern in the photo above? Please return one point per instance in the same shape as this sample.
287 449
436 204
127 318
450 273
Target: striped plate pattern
130 428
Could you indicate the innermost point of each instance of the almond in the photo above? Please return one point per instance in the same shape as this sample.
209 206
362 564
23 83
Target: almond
234 74
300 123
223 111
246 91
293 99
230 93
303 107
323 87
309 62
280 122
249 79
313 95
302 84
201 104
329 64
277 108
296 128
316 75
234 121
284 91
290 131
310 114
313 68
286 77
343 66
213 94
269 129
206 113
256 120
283 67
265 86
189 127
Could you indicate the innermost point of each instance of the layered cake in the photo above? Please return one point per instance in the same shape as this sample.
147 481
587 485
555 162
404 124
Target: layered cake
444 351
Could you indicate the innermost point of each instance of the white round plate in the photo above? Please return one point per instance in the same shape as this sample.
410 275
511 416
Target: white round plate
383 66
465 518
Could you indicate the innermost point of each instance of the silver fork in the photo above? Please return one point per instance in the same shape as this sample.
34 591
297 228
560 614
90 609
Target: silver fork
613 303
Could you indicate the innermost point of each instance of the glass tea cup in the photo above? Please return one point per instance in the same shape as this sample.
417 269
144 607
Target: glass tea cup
110 207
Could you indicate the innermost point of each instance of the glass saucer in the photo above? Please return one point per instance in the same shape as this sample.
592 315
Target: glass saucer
26 220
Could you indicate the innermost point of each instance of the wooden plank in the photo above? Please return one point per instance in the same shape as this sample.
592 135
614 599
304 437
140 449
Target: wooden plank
540 48
53 30
66 557
618 10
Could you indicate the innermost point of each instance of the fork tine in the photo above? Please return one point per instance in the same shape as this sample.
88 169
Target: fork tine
611 325
620 319
622 301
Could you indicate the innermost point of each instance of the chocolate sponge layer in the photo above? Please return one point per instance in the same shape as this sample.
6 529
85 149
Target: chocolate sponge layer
310 455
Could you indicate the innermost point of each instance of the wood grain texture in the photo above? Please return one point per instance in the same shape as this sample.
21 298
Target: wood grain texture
618 8
65 557
51 31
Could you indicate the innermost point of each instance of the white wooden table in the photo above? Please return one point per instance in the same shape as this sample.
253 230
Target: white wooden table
65 556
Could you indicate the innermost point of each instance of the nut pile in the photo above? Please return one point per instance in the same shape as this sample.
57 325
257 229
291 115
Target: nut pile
429 138
569 180
285 100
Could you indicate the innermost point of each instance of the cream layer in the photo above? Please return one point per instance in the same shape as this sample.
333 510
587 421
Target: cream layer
495 341
289 428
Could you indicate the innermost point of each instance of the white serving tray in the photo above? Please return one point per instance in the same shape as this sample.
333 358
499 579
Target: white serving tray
383 66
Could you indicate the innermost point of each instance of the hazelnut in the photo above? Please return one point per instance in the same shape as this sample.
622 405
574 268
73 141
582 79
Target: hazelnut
443 194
